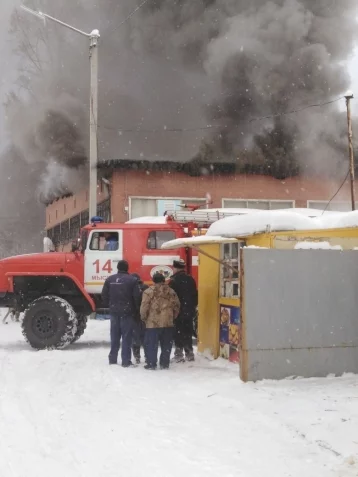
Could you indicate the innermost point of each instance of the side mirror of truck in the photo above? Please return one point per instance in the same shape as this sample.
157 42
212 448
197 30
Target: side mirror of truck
48 245
75 247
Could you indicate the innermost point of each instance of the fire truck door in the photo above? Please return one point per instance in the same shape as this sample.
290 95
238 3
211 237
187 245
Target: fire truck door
104 250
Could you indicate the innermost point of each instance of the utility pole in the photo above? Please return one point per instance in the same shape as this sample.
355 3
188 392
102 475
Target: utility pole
94 37
93 54
349 96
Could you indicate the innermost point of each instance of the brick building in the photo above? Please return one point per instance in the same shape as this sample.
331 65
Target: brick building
139 189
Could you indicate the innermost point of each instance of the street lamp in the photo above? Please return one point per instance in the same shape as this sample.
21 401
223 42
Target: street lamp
93 54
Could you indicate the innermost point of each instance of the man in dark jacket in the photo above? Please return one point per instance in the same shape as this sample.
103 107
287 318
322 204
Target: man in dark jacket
121 294
185 287
139 327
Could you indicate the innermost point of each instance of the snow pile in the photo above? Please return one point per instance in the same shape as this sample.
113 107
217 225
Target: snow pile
256 247
317 246
280 220
264 221
307 212
340 220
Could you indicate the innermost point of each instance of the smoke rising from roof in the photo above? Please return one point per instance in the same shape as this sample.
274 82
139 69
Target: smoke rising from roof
182 64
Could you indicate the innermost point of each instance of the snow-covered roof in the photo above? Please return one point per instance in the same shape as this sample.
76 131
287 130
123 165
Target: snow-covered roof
340 220
265 220
312 212
228 229
280 220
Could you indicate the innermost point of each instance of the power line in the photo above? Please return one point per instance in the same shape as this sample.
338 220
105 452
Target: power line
317 105
335 195
219 126
164 129
133 12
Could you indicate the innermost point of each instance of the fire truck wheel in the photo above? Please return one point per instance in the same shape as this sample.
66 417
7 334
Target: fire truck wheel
81 327
50 322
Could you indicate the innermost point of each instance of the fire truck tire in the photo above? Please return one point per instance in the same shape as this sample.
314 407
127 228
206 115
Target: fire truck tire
81 327
49 322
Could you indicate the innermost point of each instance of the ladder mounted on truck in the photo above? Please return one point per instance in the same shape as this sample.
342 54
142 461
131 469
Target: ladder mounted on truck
199 217
203 217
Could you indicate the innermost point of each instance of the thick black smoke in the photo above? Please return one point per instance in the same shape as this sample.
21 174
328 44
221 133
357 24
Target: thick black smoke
206 66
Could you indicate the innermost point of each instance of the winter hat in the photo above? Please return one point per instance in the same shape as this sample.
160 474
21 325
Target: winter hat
122 266
180 264
158 278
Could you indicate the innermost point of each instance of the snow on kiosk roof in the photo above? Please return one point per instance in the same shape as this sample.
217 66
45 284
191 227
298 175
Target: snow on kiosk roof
229 228
264 221
280 220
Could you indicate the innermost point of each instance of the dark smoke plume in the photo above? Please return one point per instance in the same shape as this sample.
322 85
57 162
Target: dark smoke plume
207 66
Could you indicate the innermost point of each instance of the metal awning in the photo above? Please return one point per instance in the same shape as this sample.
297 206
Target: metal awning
194 242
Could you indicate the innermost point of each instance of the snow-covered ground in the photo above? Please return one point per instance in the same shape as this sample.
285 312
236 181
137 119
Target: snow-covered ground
68 414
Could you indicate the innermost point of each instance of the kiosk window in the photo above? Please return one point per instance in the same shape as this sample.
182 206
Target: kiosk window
230 284
157 238
104 241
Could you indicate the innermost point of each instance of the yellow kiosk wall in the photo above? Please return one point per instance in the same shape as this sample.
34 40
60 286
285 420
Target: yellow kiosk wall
347 238
209 320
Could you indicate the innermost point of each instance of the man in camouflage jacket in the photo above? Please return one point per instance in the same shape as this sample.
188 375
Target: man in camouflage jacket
160 307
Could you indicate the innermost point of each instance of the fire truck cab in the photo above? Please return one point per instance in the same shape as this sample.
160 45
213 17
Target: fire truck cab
103 245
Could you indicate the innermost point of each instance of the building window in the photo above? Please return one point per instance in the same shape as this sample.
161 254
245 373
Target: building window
86 195
74 203
56 214
65 231
75 226
258 204
337 206
157 238
143 208
64 208
49 218
230 281
156 206
56 235
104 241
84 218
104 210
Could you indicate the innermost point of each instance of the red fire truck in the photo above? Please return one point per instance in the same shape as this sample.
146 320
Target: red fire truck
57 291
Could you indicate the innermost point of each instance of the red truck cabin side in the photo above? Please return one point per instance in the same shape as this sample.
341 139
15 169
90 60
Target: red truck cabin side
139 244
